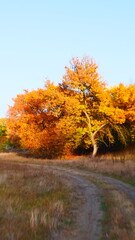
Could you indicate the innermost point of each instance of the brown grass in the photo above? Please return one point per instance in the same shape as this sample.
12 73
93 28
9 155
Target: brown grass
118 168
119 218
120 164
33 203
40 220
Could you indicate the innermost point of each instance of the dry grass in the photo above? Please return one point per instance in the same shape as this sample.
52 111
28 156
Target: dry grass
17 157
119 218
33 203
123 155
120 165
118 168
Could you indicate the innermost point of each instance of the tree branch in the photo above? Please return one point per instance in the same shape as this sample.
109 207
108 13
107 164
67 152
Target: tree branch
99 129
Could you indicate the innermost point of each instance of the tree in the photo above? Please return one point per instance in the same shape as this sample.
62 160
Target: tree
79 112
40 121
3 134
2 127
123 97
33 117
83 81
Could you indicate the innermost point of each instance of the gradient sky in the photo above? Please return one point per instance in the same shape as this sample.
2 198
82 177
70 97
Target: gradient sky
39 37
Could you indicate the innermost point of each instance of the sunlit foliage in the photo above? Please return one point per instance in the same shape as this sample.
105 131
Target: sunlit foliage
124 98
81 112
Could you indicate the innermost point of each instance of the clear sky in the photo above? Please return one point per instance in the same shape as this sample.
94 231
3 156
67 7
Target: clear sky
39 37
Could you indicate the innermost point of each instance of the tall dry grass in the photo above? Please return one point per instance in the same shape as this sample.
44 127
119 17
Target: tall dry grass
118 168
119 219
33 203
119 164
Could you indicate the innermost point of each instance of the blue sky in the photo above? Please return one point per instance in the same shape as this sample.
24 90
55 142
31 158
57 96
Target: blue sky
39 37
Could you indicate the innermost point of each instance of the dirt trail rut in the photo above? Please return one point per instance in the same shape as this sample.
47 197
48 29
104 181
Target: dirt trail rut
126 188
89 215
87 225
91 189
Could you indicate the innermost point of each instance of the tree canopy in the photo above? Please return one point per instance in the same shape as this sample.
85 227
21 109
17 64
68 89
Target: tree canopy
81 112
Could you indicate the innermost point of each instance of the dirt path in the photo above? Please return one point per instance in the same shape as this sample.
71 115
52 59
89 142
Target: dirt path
91 191
92 186
126 188
88 214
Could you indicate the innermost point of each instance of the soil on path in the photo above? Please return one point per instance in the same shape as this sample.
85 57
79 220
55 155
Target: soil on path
90 190
126 188
89 215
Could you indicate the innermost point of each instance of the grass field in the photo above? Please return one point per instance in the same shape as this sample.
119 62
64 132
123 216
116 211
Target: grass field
33 203
120 165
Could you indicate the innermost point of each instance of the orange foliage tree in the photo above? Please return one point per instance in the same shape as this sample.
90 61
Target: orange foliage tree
80 111
98 113
3 137
40 121
124 98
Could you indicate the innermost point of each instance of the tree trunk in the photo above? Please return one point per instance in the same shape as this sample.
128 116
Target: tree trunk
95 149
92 135
94 142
